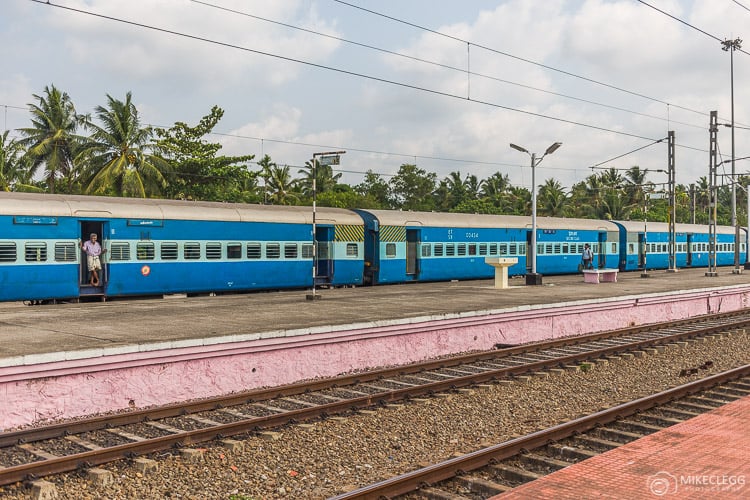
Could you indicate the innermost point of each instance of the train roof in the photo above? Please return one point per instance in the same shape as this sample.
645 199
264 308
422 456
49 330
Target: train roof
54 205
441 219
663 227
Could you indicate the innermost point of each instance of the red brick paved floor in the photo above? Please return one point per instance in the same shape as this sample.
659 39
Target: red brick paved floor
705 457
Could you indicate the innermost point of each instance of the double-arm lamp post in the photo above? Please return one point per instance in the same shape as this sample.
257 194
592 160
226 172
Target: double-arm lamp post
534 278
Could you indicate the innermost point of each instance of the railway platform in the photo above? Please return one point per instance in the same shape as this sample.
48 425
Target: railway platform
66 360
704 457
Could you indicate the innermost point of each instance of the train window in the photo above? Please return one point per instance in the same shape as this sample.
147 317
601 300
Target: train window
503 249
438 249
234 250
352 250
144 250
191 251
513 249
253 250
66 252
307 251
7 252
613 248
539 249
461 249
521 249
472 248
273 250
548 248
483 249
168 251
565 248
36 252
213 250
493 248
450 249
119 250
390 250
426 249
290 250
557 248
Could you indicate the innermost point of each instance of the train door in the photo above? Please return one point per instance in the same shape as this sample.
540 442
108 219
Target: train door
689 250
324 254
602 253
412 259
100 229
641 250
529 252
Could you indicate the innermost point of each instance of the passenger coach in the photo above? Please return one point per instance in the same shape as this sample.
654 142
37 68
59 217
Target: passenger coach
167 246
646 245
427 246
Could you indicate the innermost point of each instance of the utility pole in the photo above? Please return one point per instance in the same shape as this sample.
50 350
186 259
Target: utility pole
730 46
713 130
672 203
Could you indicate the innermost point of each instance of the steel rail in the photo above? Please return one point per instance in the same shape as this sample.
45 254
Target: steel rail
208 404
89 458
432 474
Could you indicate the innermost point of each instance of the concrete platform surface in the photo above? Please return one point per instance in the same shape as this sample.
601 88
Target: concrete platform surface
26 330
704 457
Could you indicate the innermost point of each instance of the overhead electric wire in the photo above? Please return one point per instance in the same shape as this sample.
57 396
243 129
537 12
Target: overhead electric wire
688 24
518 58
628 153
440 65
743 6
340 70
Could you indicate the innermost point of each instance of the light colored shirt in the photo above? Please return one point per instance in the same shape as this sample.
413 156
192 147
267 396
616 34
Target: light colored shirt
92 248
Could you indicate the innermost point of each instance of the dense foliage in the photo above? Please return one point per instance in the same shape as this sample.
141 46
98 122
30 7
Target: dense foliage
114 154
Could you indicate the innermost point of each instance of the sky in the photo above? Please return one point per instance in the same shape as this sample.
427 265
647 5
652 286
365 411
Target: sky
442 84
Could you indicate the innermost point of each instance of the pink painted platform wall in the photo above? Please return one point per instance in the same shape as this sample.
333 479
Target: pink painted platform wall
68 389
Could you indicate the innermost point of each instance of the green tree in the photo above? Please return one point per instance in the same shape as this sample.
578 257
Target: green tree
265 165
281 186
13 170
325 179
373 187
120 155
552 200
198 171
52 140
412 188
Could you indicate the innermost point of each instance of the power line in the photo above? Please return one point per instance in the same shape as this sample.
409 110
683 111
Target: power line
440 65
743 6
628 153
339 70
687 24
522 59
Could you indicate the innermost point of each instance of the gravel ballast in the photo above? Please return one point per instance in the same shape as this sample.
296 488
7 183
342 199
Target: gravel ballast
328 457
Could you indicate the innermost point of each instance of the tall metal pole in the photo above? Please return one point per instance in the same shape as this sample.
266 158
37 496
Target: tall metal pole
730 46
314 239
533 213
712 191
672 203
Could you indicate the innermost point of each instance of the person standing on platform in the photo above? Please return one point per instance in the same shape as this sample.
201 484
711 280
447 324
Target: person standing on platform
93 250
587 257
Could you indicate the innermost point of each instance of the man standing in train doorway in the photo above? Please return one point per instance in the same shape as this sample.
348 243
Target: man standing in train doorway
587 257
93 250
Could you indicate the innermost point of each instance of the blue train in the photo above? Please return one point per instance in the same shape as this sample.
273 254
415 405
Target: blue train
159 247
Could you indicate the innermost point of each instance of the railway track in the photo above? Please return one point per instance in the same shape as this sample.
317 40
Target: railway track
40 451
499 468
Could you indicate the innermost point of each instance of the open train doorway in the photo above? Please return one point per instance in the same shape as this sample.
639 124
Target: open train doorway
98 228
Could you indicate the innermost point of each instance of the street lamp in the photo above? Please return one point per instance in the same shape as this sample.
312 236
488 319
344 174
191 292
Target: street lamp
534 278
730 46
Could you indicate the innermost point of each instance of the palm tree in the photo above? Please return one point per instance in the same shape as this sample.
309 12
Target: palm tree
552 200
121 155
266 165
281 185
11 166
495 185
325 180
52 140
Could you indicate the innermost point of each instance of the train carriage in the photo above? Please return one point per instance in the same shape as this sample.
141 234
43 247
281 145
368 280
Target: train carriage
645 245
167 246
426 246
